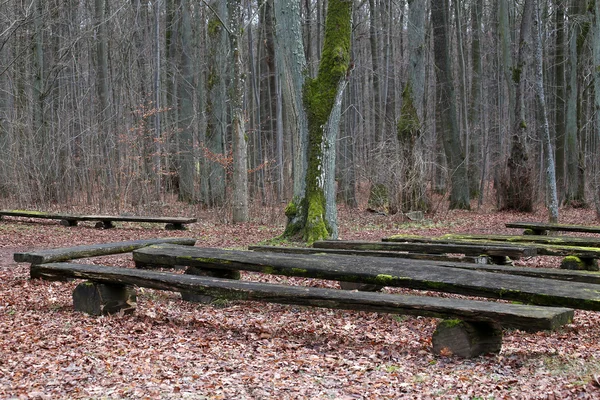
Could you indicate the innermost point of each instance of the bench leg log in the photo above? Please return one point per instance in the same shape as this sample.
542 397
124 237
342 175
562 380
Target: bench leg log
175 226
215 273
466 339
579 263
363 287
105 225
103 299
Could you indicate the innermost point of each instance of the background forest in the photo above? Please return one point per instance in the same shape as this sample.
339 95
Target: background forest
124 104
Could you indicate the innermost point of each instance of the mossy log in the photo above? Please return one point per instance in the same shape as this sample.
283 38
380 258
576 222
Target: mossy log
93 250
526 317
414 274
586 253
466 339
540 228
517 239
473 249
371 253
469 263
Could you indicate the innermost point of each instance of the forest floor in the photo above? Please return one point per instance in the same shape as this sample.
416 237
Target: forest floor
246 350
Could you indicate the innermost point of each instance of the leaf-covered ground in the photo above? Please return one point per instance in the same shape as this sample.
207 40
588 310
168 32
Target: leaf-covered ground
246 350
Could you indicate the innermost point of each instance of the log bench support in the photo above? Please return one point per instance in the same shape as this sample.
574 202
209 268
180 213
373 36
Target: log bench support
466 339
579 263
104 298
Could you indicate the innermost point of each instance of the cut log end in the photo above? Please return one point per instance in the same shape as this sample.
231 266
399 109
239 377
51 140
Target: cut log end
104 299
466 339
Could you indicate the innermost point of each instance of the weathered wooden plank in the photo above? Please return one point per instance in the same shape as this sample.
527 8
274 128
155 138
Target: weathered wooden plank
538 239
393 254
137 218
71 220
526 317
545 273
71 253
475 249
540 227
37 214
542 249
415 274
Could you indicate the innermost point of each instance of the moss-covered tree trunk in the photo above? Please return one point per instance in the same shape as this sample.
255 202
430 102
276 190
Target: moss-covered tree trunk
312 214
517 187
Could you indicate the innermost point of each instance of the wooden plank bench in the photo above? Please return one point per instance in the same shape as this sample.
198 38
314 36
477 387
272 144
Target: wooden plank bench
413 274
498 253
463 263
575 257
104 221
72 253
474 330
372 253
541 228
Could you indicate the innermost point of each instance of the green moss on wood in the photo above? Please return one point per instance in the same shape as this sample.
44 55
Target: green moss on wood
409 125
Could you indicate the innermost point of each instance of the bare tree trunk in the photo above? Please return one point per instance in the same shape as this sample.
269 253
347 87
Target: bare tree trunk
186 158
596 74
540 97
559 97
459 195
240 156
517 187
216 130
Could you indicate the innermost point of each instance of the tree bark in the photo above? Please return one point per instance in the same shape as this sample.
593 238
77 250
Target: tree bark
517 187
446 106
542 115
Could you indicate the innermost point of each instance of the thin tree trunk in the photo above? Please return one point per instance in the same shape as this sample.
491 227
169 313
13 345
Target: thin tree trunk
187 170
240 157
540 97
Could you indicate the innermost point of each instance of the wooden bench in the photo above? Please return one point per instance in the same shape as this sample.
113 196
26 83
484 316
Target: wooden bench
463 263
475 327
372 253
72 253
575 257
541 228
397 272
497 253
104 221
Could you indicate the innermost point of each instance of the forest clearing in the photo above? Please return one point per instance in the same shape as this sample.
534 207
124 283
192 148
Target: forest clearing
170 348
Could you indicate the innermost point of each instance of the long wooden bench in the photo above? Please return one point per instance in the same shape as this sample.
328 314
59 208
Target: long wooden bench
104 221
474 330
575 257
498 253
541 228
372 253
477 264
94 250
413 274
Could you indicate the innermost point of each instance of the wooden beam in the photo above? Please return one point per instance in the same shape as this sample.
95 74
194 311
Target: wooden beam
374 253
414 274
71 253
530 318
541 227
463 263
475 249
